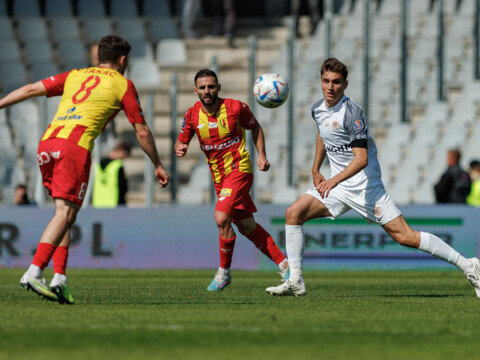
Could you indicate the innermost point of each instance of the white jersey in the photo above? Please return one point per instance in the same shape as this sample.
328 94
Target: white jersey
339 126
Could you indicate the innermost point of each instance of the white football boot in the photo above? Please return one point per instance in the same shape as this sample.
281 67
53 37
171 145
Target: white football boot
474 276
288 288
37 285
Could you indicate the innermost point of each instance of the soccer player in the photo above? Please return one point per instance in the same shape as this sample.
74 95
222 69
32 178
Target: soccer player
220 126
91 97
355 184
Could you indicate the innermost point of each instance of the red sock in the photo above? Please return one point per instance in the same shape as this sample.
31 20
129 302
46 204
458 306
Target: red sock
265 243
226 251
43 255
60 257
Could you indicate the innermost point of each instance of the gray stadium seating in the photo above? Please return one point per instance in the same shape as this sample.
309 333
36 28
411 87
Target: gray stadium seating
32 28
156 8
88 8
27 8
123 8
94 28
59 8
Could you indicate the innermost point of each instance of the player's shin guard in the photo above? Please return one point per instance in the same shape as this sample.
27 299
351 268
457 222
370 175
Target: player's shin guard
265 243
226 251
43 255
60 258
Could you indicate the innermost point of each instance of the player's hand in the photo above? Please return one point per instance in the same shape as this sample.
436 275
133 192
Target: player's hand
162 176
317 179
181 149
263 164
325 186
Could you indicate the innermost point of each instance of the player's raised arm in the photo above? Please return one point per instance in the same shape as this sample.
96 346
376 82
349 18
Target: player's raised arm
259 141
25 92
147 143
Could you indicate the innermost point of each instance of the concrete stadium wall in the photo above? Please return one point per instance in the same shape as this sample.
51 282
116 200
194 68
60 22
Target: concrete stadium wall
172 236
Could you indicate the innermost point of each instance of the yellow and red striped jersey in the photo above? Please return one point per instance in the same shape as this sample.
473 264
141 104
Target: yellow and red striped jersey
221 136
91 97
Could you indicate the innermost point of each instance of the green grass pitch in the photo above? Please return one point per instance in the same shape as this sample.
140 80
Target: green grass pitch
123 314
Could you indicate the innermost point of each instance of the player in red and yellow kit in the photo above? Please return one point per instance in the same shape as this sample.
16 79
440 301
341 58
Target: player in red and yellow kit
220 126
91 97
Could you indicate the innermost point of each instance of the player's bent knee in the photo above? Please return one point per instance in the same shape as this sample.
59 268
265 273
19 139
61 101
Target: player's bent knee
293 215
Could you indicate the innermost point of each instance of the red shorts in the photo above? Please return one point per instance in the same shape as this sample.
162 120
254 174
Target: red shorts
233 195
65 169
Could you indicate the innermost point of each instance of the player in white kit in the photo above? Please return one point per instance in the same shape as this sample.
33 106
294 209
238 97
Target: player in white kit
355 183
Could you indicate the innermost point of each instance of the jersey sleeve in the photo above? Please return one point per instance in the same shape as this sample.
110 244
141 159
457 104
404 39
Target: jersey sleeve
355 122
246 117
131 105
187 131
55 83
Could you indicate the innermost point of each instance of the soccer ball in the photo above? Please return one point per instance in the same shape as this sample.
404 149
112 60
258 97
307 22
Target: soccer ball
270 90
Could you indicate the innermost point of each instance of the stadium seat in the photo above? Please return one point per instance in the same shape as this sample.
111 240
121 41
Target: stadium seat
70 51
156 8
3 8
89 8
123 8
65 28
38 50
29 8
144 74
58 8
162 28
141 49
43 69
12 76
6 28
94 28
171 53
32 28
9 50
130 28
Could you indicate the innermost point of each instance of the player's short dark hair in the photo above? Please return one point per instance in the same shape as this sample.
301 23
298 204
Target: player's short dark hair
334 65
205 73
111 48
124 146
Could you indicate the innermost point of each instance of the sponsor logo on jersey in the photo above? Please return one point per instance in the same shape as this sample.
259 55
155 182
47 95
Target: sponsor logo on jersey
338 149
44 157
212 125
226 192
224 145
69 117
69 111
358 125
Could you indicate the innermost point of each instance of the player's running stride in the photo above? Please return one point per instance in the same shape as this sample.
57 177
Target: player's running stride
355 184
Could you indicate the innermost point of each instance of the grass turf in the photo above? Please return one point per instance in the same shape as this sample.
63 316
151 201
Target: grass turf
121 314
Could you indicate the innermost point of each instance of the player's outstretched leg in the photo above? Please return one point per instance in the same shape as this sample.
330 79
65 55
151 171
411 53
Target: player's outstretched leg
474 275
35 283
221 280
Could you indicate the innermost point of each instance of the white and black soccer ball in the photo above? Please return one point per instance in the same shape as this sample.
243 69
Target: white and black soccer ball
270 90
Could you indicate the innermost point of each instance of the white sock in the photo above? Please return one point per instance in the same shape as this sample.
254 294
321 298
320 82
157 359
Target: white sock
435 246
35 271
295 248
59 278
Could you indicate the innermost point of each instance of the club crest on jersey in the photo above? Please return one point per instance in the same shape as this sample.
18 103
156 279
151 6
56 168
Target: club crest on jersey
226 192
223 123
377 211
335 125
358 125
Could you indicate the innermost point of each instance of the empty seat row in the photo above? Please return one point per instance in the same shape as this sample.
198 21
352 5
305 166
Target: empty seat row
57 8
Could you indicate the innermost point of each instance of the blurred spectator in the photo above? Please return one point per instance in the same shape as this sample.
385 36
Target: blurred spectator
189 13
455 183
110 184
315 10
20 196
93 54
224 17
473 198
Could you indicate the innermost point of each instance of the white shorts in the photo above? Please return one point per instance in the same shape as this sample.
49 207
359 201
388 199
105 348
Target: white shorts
373 203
